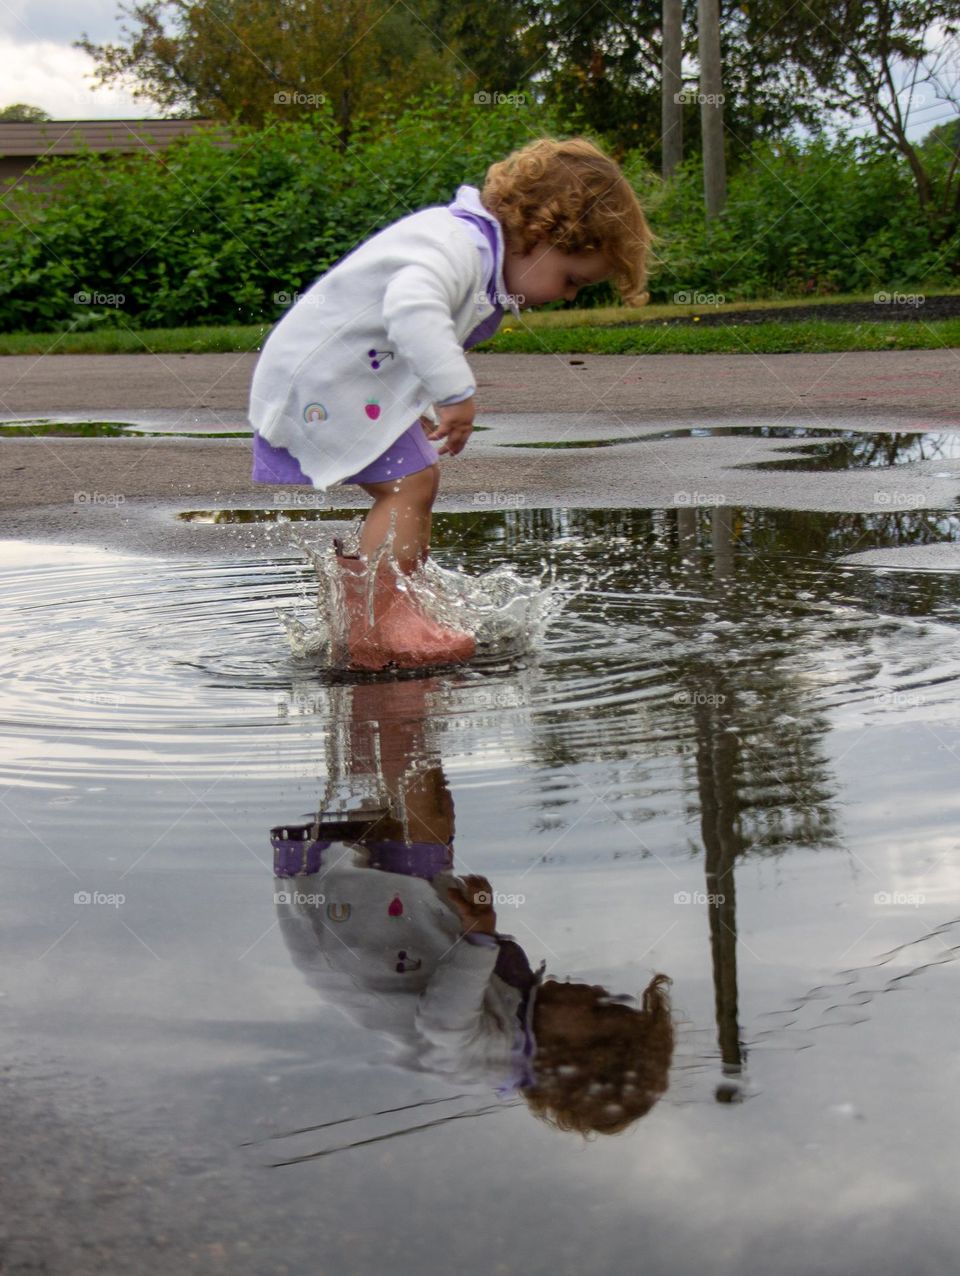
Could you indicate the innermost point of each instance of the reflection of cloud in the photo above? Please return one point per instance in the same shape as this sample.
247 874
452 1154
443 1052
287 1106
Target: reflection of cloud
56 78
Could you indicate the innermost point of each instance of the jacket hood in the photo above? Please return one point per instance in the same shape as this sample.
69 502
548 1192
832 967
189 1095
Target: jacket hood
468 197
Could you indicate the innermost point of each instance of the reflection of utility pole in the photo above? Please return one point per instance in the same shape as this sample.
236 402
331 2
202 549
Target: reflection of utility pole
716 766
713 712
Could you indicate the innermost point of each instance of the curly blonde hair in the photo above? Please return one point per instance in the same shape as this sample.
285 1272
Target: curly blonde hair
575 197
604 1086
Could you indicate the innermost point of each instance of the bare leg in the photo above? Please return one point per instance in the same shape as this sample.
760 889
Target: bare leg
410 500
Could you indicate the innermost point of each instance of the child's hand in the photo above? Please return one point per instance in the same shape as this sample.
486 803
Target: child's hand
456 426
474 904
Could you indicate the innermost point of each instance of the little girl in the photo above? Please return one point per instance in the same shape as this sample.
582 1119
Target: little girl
345 388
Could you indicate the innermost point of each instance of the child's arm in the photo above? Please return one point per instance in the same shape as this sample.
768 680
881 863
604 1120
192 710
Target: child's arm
450 1009
419 303
473 903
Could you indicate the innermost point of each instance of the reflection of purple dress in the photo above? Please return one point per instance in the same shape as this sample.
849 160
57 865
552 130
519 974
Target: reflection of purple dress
366 941
412 451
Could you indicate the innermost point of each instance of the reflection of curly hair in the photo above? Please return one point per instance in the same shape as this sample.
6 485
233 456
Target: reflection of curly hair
576 198
603 1086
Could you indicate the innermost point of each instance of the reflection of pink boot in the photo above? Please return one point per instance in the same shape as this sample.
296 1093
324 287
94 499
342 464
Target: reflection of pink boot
401 633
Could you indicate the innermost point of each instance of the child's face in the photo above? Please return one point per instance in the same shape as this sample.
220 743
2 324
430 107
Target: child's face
546 274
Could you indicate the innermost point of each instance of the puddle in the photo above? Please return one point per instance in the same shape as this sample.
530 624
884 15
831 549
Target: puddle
43 428
732 759
579 443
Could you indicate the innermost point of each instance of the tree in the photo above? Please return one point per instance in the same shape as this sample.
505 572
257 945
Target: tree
21 113
248 60
882 59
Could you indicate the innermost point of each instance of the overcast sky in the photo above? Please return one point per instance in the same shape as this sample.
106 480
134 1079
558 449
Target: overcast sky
41 67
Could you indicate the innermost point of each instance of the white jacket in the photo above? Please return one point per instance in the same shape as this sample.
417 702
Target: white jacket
440 1002
406 300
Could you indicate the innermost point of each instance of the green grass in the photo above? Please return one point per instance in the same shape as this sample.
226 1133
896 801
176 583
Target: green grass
235 339
562 332
814 336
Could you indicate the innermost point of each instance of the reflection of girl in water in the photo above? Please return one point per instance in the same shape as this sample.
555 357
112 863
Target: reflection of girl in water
597 1064
382 928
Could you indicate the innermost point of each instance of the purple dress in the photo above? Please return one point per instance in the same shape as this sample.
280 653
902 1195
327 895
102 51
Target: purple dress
412 451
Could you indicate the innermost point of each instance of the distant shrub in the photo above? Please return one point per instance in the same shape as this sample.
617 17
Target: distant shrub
201 235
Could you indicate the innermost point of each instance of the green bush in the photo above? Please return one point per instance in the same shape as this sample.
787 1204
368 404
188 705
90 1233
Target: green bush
206 235
203 235
800 219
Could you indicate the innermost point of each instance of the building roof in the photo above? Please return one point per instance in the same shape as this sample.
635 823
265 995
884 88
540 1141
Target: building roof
67 137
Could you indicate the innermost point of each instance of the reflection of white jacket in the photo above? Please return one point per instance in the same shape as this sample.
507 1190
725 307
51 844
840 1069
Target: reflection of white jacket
386 949
375 341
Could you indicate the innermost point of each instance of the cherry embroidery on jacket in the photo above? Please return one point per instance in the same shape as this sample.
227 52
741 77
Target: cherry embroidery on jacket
378 357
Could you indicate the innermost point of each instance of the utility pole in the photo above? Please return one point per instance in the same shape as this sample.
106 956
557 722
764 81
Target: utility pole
711 106
671 87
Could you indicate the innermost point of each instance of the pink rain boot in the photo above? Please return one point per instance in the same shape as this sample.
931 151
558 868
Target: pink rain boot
400 634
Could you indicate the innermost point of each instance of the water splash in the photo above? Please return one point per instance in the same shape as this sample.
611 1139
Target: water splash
507 614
